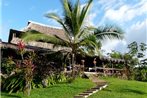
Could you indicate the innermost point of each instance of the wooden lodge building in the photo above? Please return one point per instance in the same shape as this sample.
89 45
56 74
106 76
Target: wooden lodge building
90 63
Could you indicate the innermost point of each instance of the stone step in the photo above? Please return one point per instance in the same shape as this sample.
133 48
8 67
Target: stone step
88 92
95 88
100 85
84 94
92 90
79 96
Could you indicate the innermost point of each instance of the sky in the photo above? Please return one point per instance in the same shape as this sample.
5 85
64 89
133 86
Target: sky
130 15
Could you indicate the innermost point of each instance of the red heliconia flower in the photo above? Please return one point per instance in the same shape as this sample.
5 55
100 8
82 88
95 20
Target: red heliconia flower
21 45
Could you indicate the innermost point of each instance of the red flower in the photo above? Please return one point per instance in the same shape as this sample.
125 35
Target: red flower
21 45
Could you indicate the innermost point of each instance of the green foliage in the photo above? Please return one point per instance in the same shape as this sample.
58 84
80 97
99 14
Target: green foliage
108 32
140 73
7 65
13 83
143 46
137 50
70 80
116 55
54 78
21 74
133 48
144 62
60 77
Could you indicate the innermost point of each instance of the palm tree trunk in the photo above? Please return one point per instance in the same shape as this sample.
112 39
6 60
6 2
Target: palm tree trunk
73 65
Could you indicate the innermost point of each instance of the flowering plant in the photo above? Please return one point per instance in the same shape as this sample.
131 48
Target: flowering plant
27 67
21 48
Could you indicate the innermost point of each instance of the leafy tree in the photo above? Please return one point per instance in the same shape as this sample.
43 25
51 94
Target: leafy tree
79 37
133 48
135 56
137 50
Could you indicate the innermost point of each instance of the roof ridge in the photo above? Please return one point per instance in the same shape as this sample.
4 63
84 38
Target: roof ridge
43 24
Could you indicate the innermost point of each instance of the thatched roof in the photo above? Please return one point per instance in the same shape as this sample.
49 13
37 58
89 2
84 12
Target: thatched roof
14 36
49 30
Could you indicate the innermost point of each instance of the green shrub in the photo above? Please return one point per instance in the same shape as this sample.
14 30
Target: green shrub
7 65
13 83
60 77
140 73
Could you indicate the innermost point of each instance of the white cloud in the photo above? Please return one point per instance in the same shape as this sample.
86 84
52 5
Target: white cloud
126 12
129 15
137 32
90 19
113 4
117 45
116 14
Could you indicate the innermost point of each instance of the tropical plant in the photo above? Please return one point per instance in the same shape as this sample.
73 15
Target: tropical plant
7 65
22 74
78 37
137 50
140 73
13 83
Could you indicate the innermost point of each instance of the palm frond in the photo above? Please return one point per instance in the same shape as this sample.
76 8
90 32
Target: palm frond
108 32
33 35
74 23
60 21
85 31
90 42
84 12
67 7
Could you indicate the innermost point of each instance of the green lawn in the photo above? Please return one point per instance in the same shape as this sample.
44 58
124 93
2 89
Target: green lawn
63 90
122 89
117 89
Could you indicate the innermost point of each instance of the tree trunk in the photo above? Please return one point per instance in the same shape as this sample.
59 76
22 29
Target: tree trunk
73 65
128 72
27 88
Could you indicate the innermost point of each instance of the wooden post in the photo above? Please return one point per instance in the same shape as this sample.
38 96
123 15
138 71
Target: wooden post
94 62
82 66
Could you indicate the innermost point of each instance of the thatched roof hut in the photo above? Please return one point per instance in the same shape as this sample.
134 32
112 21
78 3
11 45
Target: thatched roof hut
14 35
14 38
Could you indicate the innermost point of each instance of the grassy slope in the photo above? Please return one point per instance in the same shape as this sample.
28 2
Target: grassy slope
63 90
122 89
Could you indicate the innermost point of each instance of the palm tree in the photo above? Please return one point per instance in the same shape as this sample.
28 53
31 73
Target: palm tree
79 37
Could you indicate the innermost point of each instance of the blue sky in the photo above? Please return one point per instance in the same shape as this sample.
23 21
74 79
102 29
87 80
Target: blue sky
130 15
